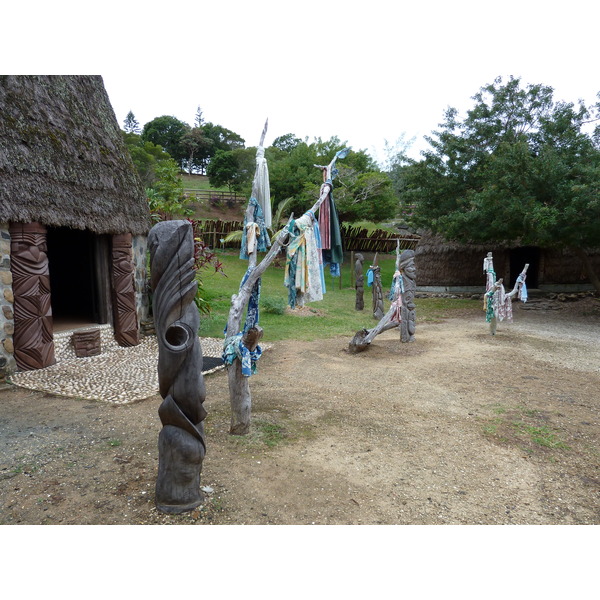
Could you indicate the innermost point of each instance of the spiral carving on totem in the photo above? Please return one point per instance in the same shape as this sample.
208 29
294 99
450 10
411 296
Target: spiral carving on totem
181 442
33 339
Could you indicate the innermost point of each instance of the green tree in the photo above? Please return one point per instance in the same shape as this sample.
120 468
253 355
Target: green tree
233 168
166 197
130 125
167 132
358 197
222 138
146 156
286 142
519 168
199 149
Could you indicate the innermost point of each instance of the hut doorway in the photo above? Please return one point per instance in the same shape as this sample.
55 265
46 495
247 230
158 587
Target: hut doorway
518 258
79 277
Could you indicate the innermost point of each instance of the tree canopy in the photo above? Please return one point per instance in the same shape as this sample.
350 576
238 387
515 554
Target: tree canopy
520 167
167 131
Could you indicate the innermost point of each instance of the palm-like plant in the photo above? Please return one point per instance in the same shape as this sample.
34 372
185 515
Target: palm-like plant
277 224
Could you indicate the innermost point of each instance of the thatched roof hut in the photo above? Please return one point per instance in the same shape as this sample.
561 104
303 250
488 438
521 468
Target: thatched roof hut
63 161
73 218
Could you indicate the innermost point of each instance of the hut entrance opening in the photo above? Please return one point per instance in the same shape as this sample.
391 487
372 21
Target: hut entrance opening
79 277
521 256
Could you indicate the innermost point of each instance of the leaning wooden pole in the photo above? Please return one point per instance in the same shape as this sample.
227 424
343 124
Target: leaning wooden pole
390 320
239 386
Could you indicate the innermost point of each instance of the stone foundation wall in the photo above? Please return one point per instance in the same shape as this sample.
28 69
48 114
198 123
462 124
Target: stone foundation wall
7 321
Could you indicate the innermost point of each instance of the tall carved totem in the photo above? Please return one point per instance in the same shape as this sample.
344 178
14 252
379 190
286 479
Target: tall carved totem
181 444
123 292
33 342
409 274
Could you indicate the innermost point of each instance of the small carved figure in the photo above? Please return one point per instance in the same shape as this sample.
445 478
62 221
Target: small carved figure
408 311
360 282
181 445
377 293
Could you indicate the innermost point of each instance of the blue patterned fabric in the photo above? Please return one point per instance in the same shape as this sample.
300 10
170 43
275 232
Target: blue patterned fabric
523 291
370 277
234 347
263 241
397 287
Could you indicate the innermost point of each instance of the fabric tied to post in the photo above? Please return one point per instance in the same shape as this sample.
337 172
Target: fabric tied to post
233 346
261 185
370 277
304 264
397 286
255 233
329 224
523 287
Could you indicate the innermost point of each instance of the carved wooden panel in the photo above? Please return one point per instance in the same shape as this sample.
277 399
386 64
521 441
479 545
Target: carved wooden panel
33 341
123 291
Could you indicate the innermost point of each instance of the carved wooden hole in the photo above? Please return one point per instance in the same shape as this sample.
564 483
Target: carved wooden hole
178 336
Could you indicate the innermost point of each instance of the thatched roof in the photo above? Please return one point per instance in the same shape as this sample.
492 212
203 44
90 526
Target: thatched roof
63 161
432 243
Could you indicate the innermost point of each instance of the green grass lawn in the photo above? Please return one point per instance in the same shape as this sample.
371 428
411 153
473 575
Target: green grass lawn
199 182
334 315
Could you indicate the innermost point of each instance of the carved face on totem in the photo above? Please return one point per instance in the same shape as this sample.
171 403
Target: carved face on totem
407 264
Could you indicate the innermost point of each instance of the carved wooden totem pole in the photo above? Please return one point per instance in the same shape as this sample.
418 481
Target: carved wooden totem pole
409 277
360 282
401 313
34 347
181 445
375 280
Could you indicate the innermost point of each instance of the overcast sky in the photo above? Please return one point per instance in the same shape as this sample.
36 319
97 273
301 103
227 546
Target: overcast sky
367 72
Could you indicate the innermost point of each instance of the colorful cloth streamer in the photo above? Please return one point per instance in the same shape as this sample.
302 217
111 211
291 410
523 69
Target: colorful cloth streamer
233 346
489 305
523 289
329 224
304 264
255 232
397 286
261 185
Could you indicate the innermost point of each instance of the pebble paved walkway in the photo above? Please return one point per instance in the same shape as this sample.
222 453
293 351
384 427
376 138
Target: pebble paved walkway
118 376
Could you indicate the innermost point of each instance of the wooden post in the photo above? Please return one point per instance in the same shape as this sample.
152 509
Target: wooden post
495 289
239 388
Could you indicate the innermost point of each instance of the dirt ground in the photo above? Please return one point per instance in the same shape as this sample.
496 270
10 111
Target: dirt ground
458 427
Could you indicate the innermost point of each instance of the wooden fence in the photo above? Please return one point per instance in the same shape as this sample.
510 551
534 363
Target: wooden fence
214 197
354 239
358 239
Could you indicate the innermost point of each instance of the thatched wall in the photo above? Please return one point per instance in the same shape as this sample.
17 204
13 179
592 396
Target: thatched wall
562 266
63 161
442 263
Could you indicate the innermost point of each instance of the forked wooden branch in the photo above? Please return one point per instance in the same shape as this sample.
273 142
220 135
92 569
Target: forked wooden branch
364 337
